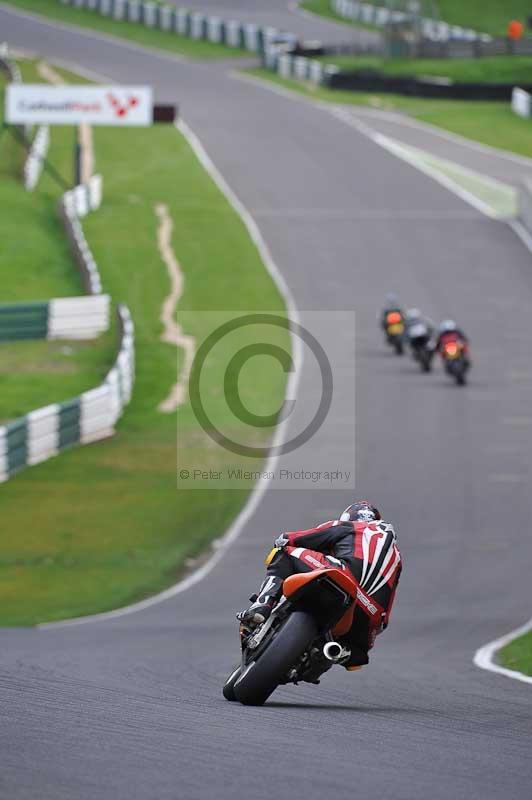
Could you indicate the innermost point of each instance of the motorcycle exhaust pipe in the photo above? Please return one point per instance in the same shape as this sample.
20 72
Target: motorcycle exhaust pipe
333 651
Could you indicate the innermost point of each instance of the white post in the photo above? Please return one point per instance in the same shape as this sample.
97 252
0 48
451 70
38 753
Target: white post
149 11
198 22
182 21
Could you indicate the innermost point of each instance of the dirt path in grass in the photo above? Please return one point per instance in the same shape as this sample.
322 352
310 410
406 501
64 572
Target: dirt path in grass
173 333
51 75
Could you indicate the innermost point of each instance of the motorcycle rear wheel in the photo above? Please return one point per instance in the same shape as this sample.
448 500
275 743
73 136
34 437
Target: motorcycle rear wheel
261 677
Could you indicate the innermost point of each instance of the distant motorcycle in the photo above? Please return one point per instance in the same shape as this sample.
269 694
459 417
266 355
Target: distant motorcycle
394 330
421 345
455 360
298 642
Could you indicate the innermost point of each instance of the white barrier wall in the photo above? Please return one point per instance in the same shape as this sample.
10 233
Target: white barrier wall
181 21
78 317
34 163
521 102
380 16
74 205
47 431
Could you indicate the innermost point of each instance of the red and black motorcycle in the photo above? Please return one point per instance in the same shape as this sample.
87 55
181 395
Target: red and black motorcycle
299 640
455 359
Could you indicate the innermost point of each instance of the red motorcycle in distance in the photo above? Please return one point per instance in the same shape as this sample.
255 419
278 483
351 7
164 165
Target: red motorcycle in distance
455 359
298 642
394 330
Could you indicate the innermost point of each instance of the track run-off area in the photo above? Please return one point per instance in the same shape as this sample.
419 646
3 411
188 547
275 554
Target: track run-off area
131 707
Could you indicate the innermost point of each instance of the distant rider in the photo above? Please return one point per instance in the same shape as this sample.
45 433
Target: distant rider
449 332
420 330
391 306
359 542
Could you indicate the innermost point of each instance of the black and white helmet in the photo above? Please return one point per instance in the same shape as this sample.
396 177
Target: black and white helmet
360 511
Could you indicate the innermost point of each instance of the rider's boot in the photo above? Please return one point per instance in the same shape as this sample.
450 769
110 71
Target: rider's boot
263 603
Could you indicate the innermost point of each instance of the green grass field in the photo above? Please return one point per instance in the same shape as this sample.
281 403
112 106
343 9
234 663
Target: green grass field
498 69
38 266
134 32
518 654
492 123
103 525
488 16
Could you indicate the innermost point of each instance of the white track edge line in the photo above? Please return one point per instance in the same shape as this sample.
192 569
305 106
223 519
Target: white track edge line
484 656
401 151
523 233
396 118
237 526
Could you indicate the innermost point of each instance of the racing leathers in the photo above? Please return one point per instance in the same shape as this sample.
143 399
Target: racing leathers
456 335
420 333
367 550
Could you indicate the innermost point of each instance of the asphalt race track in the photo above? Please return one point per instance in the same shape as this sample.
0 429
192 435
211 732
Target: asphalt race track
132 708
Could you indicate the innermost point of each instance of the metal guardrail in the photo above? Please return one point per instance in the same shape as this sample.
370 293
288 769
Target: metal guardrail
73 206
60 318
382 16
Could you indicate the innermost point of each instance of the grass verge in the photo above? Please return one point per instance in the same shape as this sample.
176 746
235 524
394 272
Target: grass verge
518 654
496 69
104 525
492 123
133 32
488 16
35 264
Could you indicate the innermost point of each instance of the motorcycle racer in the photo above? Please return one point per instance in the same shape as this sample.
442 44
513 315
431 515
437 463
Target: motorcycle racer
450 332
360 542
391 305
419 329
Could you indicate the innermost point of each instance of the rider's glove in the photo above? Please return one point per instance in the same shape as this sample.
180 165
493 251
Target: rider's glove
282 541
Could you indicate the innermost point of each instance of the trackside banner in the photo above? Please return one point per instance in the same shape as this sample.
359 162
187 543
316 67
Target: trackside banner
71 105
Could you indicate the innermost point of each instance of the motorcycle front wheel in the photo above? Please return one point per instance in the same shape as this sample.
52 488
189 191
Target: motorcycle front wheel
261 677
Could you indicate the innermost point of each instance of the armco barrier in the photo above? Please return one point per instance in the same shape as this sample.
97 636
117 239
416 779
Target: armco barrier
373 81
288 65
381 16
12 71
78 317
9 67
39 148
47 431
521 102
73 206
61 318
192 24
43 433
23 321
34 163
